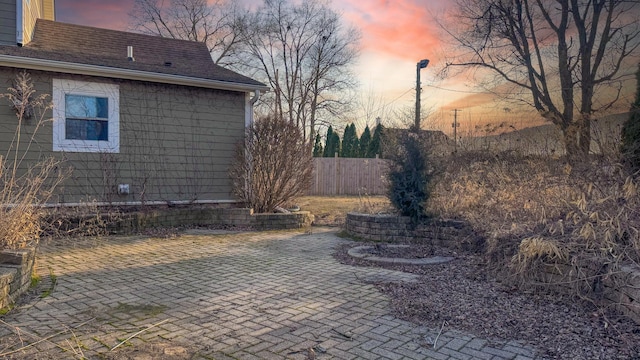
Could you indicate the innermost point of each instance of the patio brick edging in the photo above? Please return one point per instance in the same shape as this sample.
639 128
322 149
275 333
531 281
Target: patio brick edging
16 268
621 290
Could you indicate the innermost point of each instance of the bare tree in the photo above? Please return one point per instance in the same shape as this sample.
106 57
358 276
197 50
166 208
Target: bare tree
403 117
217 23
272 166
304 52
561 52
368 107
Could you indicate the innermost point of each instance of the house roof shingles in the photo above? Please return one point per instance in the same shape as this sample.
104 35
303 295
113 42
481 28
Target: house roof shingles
56 41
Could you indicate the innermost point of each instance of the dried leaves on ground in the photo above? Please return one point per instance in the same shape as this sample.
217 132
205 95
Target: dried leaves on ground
468 298
332 210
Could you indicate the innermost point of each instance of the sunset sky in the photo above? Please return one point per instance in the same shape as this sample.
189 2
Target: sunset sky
395 36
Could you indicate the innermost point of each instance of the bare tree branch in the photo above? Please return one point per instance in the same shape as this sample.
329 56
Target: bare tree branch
559 51
219 24
304 52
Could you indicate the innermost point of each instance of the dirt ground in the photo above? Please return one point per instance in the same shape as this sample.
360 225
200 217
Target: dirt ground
463 295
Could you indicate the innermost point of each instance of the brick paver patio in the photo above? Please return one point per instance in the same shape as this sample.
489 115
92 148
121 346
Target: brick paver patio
270 295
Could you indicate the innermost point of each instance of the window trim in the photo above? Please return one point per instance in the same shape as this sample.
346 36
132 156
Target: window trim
62 87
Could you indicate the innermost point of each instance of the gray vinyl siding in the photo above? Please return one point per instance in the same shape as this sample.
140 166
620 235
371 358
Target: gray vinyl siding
176 144
7 22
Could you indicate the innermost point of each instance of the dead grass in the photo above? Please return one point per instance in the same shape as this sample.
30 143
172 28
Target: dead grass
539 210
332 210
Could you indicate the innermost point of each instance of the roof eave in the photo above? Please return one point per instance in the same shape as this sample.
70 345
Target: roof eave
119 73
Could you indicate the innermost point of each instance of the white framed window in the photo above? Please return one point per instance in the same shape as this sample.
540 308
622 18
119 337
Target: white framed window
86 116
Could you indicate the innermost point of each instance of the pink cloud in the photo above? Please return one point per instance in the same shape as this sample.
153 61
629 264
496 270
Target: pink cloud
112 14
401 28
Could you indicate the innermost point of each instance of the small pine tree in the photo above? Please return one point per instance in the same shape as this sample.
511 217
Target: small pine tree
365 139
345 149
631 132
409 179
349 142
375 147
317 147
327 143
355 142
332 144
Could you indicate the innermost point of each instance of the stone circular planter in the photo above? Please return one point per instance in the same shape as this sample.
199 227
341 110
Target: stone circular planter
451 234
362 252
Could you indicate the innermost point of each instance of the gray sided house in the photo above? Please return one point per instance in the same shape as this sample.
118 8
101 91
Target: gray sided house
139 119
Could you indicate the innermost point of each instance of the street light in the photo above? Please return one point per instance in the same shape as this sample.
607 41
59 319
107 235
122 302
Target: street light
421 65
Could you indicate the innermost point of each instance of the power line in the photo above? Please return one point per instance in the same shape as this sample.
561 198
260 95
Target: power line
488 92
459 91
621 78
394 100
398 98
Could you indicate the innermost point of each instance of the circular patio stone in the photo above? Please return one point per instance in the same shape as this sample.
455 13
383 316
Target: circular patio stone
361 252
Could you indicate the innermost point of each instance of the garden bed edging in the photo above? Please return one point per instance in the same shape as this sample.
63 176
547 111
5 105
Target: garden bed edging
190 215
16 268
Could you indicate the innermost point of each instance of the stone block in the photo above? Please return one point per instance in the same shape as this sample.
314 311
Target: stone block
7 274
16 257
16 267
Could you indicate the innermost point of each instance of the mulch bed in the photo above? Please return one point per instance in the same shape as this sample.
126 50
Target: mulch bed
465 296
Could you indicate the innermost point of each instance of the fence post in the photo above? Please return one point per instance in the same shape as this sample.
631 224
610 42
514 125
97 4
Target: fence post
337 177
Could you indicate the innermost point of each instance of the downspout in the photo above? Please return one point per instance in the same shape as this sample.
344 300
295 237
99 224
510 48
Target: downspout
249 108
255 98
248 122
19 23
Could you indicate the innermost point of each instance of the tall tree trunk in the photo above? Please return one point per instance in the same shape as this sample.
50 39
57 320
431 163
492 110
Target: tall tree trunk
585 134
570 134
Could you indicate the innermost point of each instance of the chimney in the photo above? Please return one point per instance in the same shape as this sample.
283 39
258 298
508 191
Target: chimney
130 53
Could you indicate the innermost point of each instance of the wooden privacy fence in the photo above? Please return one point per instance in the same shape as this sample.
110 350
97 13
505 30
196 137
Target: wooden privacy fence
349 176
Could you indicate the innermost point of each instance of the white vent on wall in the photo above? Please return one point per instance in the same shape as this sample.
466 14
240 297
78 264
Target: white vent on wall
130 53
123 189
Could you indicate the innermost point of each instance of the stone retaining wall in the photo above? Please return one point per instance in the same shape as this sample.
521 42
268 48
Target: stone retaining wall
134 221
392 228
620 290
16 268
624 291
207 216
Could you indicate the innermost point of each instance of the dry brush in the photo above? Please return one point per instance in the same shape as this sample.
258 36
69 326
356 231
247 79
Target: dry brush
538 212
25 184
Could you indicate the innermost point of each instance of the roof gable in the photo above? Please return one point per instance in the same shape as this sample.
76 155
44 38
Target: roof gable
56 41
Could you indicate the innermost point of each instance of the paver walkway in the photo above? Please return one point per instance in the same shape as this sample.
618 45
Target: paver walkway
270 295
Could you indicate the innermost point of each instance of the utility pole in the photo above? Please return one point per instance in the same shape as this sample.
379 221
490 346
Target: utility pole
421 65
455 130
